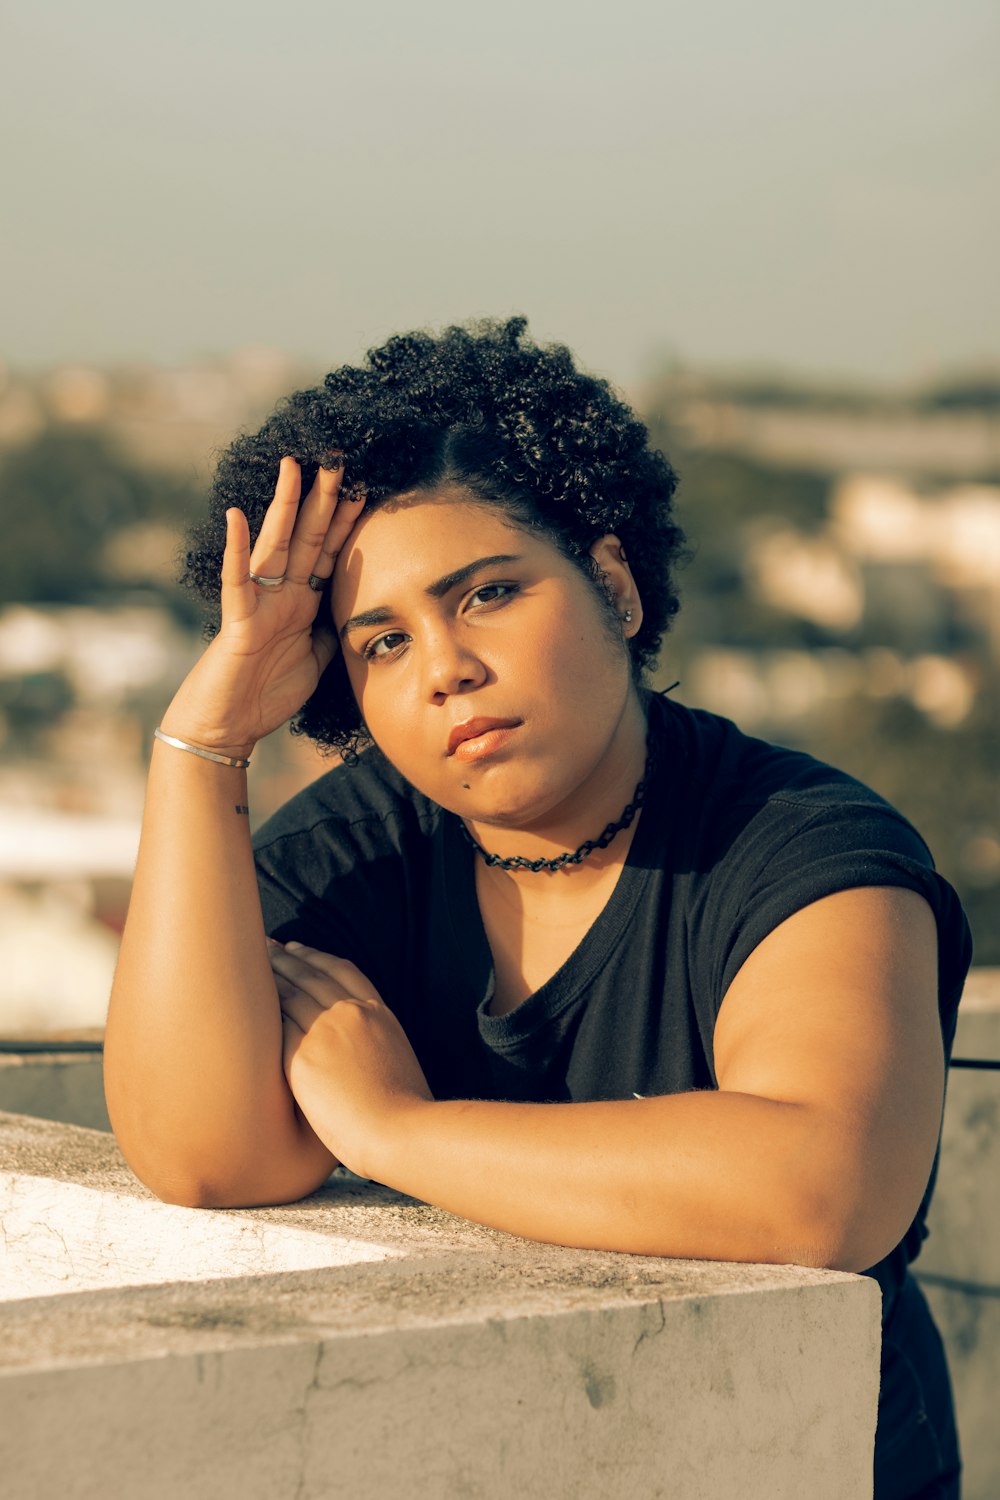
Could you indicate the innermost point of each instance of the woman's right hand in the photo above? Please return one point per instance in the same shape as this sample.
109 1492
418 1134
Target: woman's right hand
268 655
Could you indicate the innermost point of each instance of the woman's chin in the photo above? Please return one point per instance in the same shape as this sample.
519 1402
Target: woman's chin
523 813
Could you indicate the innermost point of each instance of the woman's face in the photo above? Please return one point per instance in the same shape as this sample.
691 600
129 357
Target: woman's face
482 659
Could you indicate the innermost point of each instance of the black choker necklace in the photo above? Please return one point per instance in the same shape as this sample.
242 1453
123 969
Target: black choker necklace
518 862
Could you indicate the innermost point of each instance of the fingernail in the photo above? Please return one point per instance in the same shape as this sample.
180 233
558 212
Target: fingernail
295 945
273 942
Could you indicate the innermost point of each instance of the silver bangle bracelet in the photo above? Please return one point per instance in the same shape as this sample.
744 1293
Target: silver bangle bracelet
220 760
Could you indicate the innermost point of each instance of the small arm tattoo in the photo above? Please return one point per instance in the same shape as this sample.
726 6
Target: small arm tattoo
242 811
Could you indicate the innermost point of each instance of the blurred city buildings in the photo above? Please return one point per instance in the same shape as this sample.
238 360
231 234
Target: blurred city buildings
848 562
889 562
175 418
948 433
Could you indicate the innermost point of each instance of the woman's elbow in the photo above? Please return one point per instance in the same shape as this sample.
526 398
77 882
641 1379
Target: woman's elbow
850 1232
208 1193
184 1193
172 1184
267 1183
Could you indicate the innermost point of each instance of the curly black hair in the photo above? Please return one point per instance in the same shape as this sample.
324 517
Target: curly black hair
482 407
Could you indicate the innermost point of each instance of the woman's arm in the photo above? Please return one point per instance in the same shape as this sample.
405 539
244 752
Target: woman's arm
193 1076
195 1088
815 1149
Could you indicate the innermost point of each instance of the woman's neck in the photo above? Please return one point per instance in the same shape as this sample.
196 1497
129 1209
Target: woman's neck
599 800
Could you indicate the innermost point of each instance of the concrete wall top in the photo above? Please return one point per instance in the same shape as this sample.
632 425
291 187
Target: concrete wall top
422 1267
982 990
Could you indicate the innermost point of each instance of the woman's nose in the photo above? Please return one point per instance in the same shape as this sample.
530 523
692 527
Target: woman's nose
451 666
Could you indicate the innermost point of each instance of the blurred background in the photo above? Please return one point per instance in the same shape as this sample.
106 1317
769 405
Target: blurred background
775 228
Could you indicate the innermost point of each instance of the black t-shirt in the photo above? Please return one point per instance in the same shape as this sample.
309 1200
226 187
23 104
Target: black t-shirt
735 835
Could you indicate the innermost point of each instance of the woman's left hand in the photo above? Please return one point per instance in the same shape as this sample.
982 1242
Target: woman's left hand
346 1057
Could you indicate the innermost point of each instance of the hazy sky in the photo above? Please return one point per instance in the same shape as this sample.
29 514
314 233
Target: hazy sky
794 184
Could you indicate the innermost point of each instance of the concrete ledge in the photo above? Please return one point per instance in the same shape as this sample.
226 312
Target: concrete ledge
959 1268
54 1082
461 1362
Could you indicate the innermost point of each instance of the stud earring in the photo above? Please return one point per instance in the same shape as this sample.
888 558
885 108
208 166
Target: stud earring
627 617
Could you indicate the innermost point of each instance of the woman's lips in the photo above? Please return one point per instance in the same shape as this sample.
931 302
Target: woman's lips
480 737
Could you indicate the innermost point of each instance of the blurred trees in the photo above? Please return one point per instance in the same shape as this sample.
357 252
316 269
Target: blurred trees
86 523
71 504
723 500
946 780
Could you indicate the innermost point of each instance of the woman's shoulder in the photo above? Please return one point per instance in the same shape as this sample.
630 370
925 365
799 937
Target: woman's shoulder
750 814
763 830
367 804
729 773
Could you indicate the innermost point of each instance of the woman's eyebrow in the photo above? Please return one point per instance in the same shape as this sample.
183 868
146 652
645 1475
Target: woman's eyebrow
436 590
452 580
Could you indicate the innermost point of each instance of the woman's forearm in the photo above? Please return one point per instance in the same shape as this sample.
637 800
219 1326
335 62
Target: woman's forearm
705 1175
196 1092
193 1052
815 1148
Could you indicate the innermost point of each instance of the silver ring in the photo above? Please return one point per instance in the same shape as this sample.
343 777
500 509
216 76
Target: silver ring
267 583
316 583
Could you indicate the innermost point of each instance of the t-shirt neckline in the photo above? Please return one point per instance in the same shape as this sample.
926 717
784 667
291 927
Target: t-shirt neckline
571 979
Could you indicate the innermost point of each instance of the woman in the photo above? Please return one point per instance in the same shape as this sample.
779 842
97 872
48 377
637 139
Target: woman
557 954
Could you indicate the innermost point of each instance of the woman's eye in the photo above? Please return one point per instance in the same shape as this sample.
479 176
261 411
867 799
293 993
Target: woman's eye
384 645
491 593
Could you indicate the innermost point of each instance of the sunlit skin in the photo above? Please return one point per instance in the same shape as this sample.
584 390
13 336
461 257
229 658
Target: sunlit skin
524 640
241 1073
818 1142
449 616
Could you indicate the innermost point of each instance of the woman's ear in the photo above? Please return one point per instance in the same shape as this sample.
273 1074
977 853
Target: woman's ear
609 555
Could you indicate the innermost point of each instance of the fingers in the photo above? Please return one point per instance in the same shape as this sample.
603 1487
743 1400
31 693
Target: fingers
299 543
341 971
237 592
270 553
343 521
313 523
296 1006
309 986
322 976
325 523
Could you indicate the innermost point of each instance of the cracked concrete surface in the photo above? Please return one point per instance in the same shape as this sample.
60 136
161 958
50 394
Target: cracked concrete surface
64 1237
464 1362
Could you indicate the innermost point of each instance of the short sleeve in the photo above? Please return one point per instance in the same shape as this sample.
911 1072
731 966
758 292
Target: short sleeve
344 867
792 854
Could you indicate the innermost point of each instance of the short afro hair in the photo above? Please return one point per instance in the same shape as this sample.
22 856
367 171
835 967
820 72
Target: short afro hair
481 407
